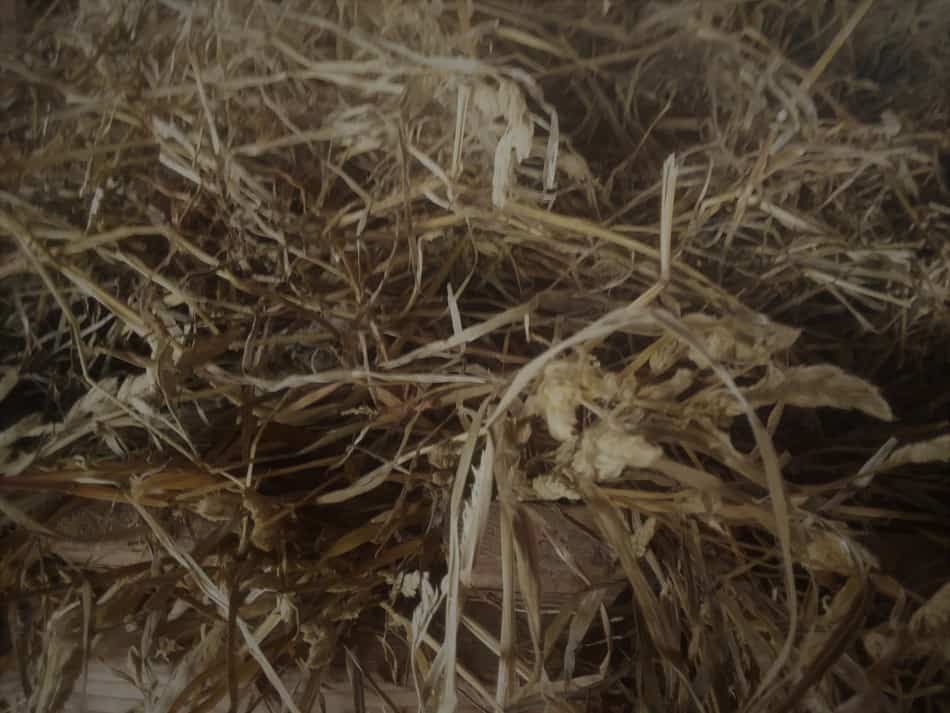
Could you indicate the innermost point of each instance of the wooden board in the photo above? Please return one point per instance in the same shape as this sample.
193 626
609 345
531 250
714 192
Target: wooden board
572 528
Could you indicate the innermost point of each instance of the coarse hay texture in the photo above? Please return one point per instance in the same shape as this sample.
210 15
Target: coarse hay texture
299 300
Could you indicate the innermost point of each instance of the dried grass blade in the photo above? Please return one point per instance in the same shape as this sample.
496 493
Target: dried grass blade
87 597
463 672
505 681
662 631
475 514
24 520
808 81
849 607
447 658
776 487
667 200
494 645
529 578
59 649
583 617
467 335
8 381
220 600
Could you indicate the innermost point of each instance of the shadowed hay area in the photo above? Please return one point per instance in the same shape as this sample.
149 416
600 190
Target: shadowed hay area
498 356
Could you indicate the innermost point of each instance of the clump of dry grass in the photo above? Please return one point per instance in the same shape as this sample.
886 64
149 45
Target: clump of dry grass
304 288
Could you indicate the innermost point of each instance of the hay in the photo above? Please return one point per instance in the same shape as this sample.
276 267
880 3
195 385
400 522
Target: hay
297 290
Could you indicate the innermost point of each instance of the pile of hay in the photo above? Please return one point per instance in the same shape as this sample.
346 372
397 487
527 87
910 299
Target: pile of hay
293 293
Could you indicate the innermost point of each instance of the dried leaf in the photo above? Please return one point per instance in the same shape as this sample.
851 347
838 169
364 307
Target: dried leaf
823 385
932 451
565 385
557 399
553 487
606 451
631 317
670 389
517 138
753 340
266 529
831 552
408 583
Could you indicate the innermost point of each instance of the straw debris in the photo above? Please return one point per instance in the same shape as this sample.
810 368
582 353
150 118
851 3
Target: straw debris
300 301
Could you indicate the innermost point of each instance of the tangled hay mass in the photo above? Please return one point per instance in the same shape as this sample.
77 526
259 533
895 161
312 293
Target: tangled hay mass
587 355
